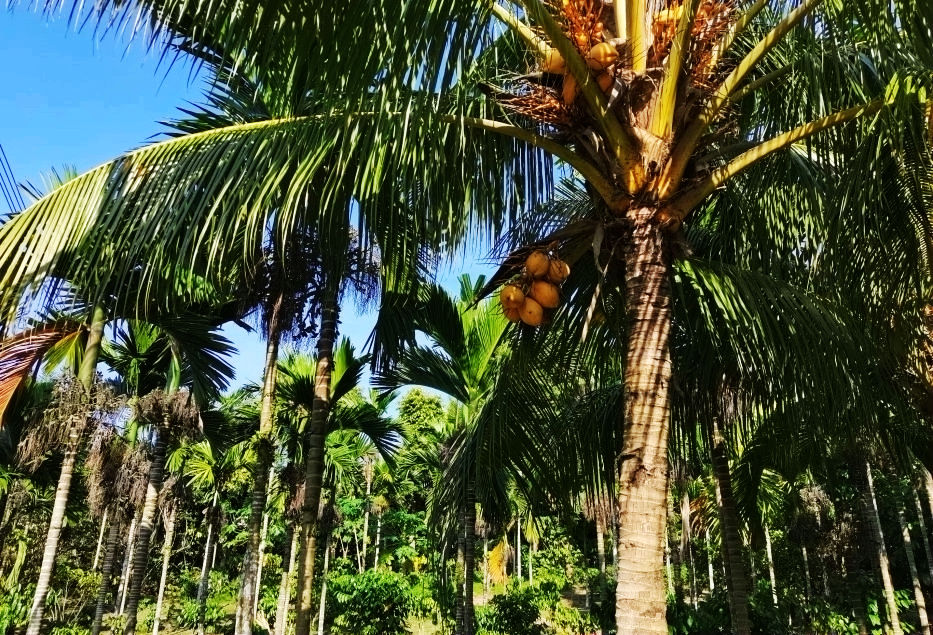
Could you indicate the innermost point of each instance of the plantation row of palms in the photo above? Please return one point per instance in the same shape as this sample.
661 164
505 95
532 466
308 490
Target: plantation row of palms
741 189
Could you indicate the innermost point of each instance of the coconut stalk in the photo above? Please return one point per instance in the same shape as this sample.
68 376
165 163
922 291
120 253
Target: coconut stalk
314 466
77 424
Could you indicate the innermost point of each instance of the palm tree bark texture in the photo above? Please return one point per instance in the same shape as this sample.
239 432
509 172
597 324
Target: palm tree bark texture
249 584
314 467
146 526
105 594
76 429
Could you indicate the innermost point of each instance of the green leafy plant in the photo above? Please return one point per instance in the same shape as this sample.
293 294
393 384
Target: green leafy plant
376 602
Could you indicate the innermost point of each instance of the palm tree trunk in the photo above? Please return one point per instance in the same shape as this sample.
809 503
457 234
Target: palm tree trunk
601 562
378 540
486 567
100 539
146 525
912 567
86 376
127 569
458 574
808 580
686 542
166 557
771 574
291 546
104 598
323 603
262 553
924 536
736 575
249 583
368 473
314 466
206 564
709 563
641 465
870 512
518 548
469 533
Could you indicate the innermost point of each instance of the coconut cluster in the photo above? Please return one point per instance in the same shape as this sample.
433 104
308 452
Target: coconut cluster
537 289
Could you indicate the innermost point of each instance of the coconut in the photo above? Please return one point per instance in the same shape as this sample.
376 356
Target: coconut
545 294
605 81
559 270
512 314
537 264
532 313
511 297
602 56
553 62
570 90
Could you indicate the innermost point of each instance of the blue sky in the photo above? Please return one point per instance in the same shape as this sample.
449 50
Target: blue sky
69 98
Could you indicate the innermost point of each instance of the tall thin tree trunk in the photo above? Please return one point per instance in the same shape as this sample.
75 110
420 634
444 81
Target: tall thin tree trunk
262 554
737 577
928 488
771 574
249 584
601 561
641 465
368 474
919 600
518 548
808 580
460 577
709 563
686 542
486 567
76 426
378 540
314 466
206 564
323 604
670 570
105 592
127 569
100 538
146 525
870 511
288 558
469 533
531 573
924 536
166 557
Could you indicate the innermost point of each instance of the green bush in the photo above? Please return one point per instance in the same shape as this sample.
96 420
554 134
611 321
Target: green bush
14 608
374 603
517 611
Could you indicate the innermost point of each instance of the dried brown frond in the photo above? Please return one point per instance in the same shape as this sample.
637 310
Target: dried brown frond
172 413
538 103
132 478
105 457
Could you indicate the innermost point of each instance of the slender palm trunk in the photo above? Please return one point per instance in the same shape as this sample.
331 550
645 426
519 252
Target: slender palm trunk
378 540
469 561
671 591
531 573
104 598
808 580
127 568
262 553
368 472
458 582
291 546
924 536
323 603
771 574
206 564
870 512
736 575
75 431
166 557
100 539
146 525
919 600
641 466
709 563
314 466
518 548
686 543
486 580
249 582
601 562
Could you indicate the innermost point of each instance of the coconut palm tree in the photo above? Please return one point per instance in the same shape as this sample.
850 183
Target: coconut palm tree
699 95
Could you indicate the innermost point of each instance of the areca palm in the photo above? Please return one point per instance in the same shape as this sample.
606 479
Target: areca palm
692 105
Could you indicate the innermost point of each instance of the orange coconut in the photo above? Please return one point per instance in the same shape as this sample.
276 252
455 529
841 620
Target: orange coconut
545 294
570 89
559 270
512 314
532 313
511 297
537 264
602 56
553 62
605 81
